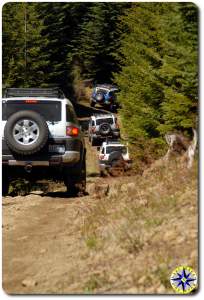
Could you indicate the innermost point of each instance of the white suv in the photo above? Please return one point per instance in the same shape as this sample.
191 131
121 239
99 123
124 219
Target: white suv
112 152
102 126
41 138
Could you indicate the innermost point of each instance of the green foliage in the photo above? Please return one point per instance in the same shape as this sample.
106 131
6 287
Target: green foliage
22 61
61 42
91 242
159 76
61 26
19 187
98 40
141 94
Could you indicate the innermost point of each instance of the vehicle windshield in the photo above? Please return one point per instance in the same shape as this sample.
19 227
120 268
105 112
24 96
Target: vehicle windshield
121 149
107 120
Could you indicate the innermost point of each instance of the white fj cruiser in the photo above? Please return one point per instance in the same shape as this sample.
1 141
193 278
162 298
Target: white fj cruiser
102 126
111 153
41 138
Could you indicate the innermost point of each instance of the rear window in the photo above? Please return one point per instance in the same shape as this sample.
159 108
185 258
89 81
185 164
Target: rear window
100 90
108 120
121 149
50 110
71 115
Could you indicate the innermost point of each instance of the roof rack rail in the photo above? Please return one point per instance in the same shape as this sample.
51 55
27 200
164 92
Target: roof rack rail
54 92
111 141
102 114
106 85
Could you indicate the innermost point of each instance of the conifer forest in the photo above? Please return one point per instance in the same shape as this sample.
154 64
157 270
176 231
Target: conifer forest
149 50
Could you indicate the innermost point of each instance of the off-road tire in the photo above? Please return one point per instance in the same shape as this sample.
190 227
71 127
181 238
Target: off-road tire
103 173
5 182
93 104
105 129
75 178
113 108
93 141
26 149
99 97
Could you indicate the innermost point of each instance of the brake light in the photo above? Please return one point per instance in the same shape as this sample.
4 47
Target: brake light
101 156
93 129
72 131
31 101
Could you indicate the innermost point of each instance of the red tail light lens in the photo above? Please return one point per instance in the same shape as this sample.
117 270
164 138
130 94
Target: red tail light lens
72 131
101 156
31 101
93 129
116 123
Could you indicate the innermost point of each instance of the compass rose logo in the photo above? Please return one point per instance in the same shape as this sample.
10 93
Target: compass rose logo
183 280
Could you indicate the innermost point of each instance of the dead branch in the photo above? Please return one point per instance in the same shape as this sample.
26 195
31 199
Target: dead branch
180 145
191 150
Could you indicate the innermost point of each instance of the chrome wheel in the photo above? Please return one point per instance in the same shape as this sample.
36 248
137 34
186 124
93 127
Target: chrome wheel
26 132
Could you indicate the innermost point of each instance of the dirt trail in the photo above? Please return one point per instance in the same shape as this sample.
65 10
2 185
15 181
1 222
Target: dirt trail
41 238
41 242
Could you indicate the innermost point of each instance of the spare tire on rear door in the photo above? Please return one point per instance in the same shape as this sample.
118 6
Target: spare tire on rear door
26 132
99 97
105 129
115 157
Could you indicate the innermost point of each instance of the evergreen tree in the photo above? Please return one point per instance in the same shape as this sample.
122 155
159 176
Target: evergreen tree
61 22
158 80
179 71
98 40
22 64
140 54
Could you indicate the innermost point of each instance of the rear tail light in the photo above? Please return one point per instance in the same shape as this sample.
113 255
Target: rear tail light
116 124
31 101
101 156
93 129
72 131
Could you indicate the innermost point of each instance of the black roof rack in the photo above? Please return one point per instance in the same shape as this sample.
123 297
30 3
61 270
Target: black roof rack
103 115
111 141
34 92
107 86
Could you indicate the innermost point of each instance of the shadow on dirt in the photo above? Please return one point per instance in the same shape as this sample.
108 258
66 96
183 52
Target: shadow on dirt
84 111
63 195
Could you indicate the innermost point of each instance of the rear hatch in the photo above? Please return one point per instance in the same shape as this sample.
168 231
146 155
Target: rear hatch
51 110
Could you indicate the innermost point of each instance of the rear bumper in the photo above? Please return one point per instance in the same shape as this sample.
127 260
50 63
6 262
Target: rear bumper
69 157
104 165
114 133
